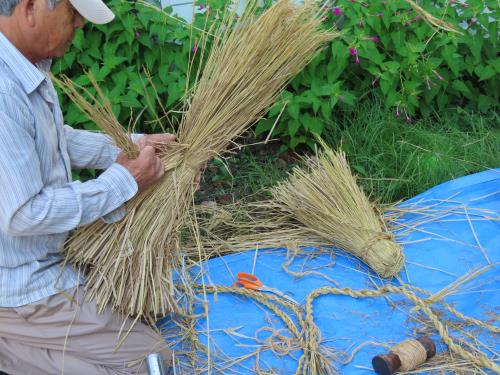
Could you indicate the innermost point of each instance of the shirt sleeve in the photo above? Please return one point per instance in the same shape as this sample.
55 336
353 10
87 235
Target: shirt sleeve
88 149
30 206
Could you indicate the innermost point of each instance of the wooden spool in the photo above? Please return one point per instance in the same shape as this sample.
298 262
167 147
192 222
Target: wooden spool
388 364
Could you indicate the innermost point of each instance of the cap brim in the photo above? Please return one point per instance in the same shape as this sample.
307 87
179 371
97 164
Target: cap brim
93 10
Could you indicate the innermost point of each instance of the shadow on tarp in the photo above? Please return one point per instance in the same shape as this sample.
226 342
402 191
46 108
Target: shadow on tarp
456 229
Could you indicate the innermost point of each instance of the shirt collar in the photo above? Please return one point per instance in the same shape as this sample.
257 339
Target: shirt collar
28 74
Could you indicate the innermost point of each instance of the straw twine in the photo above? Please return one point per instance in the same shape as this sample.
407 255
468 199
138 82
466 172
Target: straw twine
411 354
313 361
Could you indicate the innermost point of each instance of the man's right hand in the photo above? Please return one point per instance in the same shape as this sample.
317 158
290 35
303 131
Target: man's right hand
146 169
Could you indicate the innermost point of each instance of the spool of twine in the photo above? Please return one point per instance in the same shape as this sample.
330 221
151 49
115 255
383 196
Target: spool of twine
405 356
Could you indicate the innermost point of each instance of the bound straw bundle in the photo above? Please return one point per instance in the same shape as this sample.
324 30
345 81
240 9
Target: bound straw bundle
325 198
131 263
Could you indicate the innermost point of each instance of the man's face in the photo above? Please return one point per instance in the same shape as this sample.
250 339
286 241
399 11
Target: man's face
56 27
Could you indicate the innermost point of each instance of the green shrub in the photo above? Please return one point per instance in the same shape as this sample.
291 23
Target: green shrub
140 61
385 50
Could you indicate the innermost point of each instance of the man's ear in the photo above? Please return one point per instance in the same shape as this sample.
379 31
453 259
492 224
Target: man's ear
28 9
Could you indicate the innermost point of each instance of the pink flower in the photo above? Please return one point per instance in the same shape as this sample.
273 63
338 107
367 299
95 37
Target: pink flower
360 23
354 52
380 14
195 48
375 80
374 39
408 118
438 75
337 11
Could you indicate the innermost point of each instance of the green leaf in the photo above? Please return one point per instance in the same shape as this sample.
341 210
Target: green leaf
460 86
485 72
293 127
386 83
150 59
78 39
312 124
263 126
475 44
112 61
369 51
452 58
69 57
392 66
130 100
293 110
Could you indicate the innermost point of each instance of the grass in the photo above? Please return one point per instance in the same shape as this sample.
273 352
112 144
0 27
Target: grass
394 160
247 175
398 160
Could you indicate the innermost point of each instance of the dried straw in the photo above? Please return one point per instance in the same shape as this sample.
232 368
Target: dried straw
132 262
325 198
430 19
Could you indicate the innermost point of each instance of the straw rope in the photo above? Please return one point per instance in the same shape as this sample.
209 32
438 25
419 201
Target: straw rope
478 359
264 299
313 361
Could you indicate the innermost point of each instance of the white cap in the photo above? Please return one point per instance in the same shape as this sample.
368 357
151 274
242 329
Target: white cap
93 10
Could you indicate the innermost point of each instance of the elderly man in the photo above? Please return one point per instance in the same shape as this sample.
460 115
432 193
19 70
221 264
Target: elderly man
46 327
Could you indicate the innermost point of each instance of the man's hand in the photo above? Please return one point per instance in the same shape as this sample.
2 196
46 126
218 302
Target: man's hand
155 140
158 142
146 169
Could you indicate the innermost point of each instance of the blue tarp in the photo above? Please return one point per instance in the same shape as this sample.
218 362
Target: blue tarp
458 232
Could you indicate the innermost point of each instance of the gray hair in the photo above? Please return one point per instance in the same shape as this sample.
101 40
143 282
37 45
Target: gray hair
7 6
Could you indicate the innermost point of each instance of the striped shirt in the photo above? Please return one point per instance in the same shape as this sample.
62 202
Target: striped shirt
39 202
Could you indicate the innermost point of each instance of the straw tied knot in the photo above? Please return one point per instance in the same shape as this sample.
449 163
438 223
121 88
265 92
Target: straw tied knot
383 254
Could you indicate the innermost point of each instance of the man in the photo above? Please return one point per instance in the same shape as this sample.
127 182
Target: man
46 327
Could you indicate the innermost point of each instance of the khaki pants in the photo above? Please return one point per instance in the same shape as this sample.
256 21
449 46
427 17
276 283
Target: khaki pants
62 336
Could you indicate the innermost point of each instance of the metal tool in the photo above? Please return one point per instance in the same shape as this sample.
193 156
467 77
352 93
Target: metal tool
249 281
156 365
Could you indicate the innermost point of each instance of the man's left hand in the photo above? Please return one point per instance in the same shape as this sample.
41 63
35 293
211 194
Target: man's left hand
155 140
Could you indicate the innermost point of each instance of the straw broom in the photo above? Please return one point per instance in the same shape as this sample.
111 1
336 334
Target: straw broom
319 205
325 198
130 264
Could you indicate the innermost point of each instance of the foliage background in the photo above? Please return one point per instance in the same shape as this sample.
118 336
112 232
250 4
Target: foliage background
399 78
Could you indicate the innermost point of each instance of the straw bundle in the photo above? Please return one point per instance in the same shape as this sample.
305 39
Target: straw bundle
130 264
325 198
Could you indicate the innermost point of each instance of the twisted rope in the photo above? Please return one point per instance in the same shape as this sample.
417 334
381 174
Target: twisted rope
478 359
313 361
